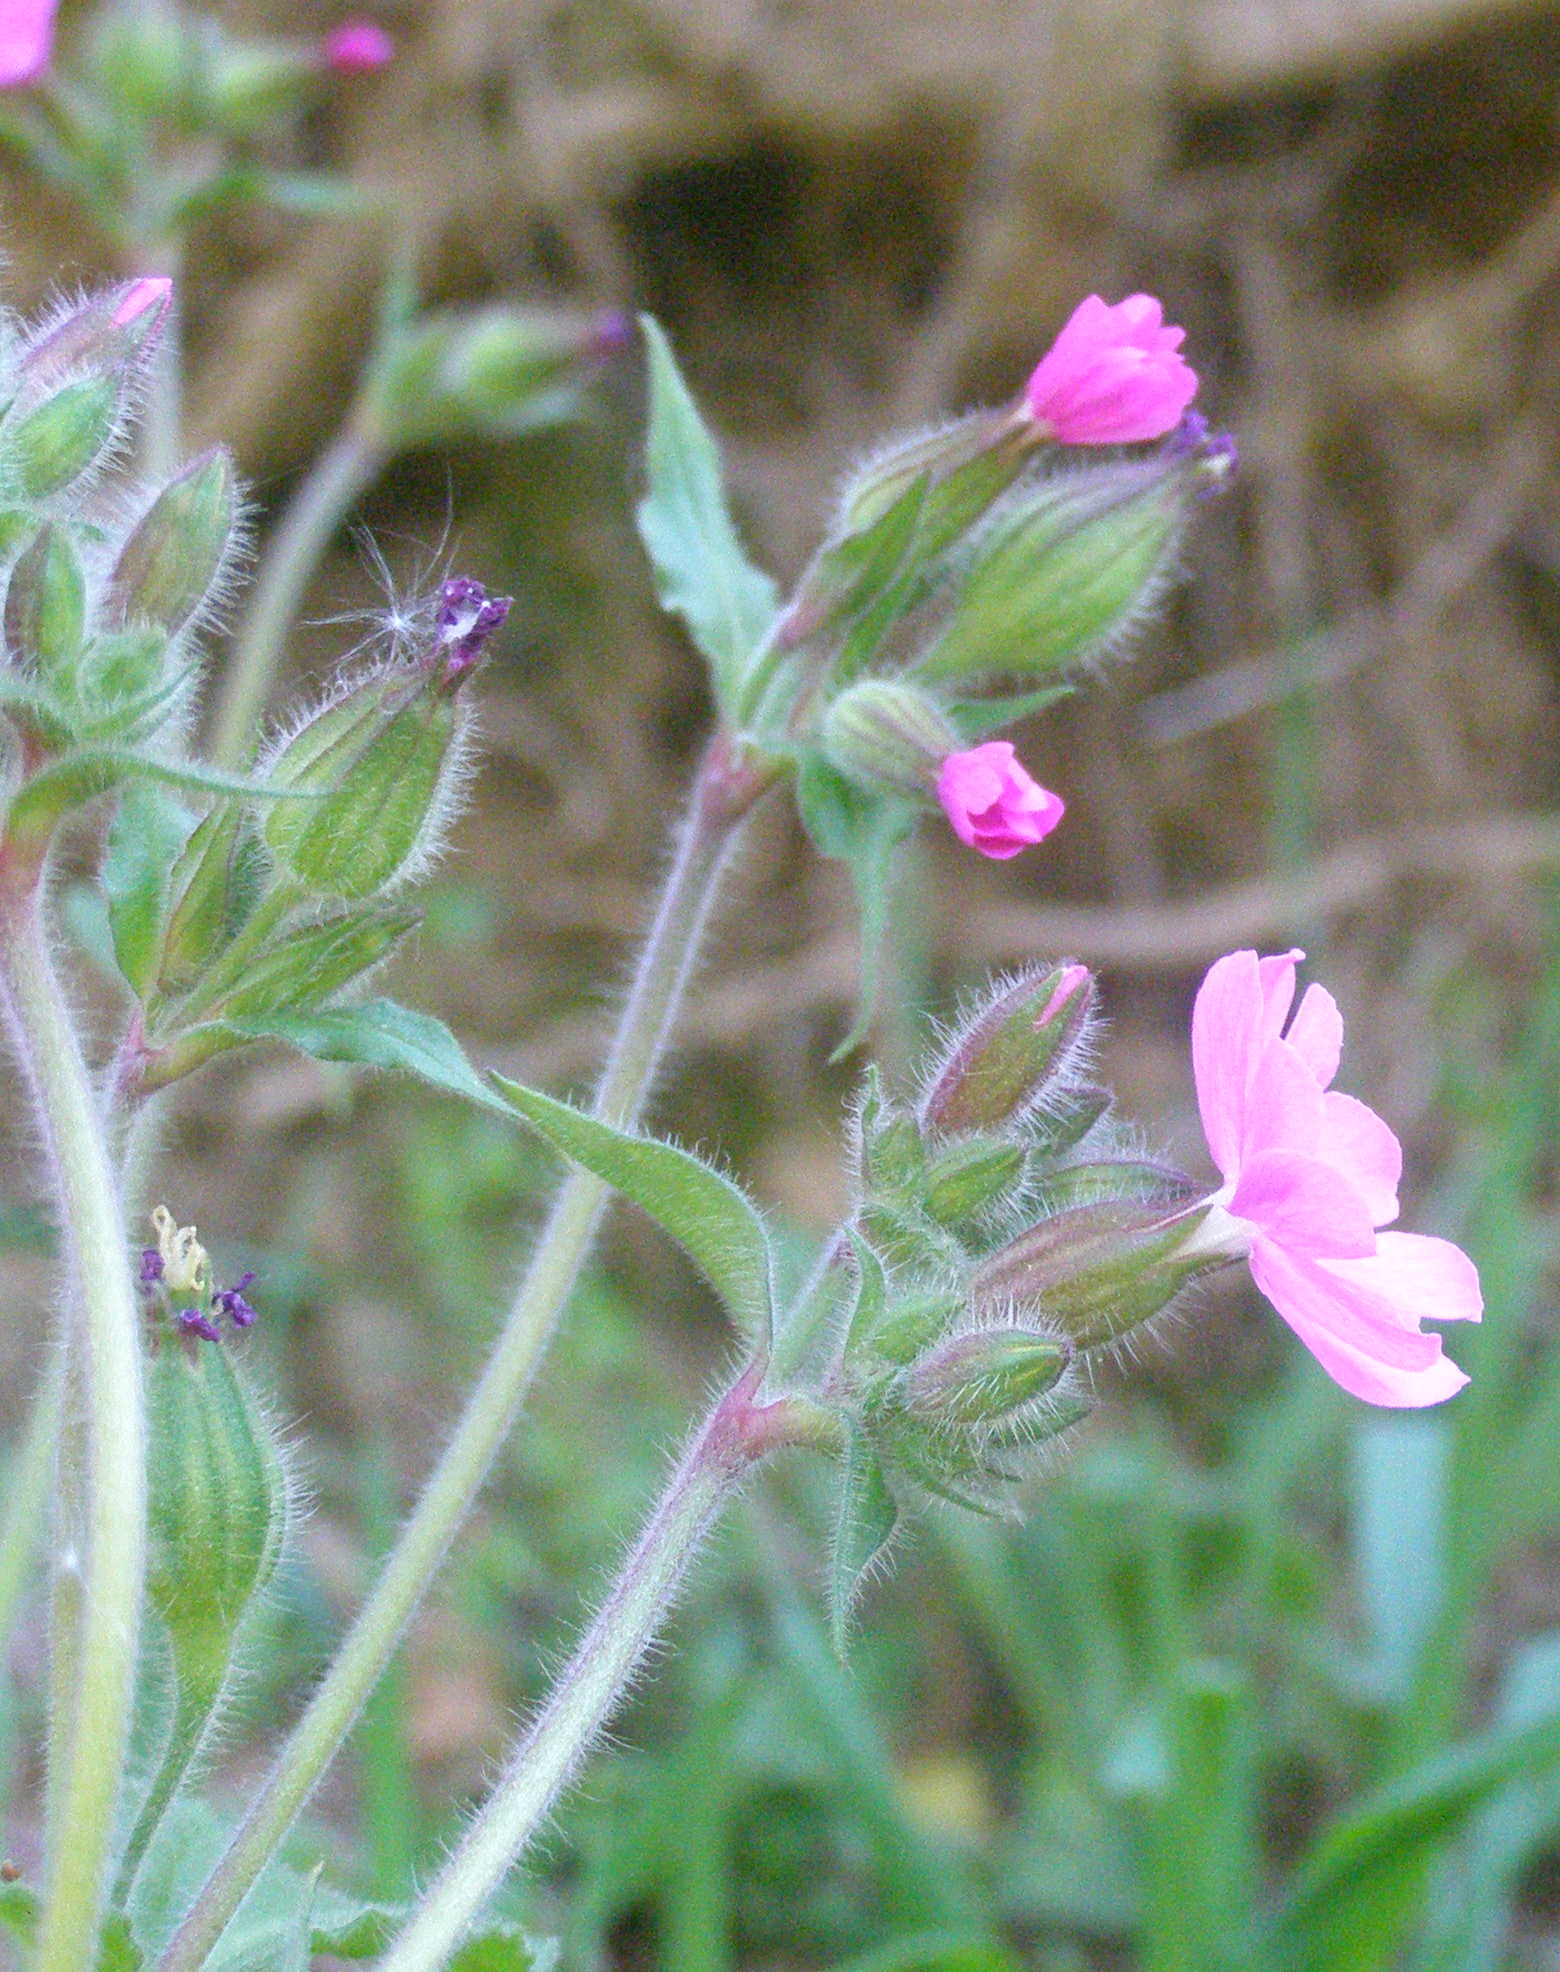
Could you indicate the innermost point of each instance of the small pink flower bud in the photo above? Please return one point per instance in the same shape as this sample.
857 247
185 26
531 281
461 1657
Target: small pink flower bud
26 41
1113 375
144 304
992 803
357 47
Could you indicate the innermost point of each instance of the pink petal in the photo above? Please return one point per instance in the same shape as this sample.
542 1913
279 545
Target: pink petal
26 40
1413 1278
1303 1206
1358 1144
1380 1363
1277 974
1284 1107
1316 1033
1226 1017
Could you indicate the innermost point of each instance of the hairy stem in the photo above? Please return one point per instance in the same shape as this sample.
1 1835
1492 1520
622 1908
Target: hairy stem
341 472
103 1493
587 1692
725 789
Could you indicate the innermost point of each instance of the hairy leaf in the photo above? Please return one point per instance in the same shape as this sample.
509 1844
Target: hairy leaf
701 1208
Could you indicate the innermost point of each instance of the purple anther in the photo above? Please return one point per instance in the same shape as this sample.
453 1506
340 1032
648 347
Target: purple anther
193 1322
1214 452
151 1266
467 616
230 1301
610 333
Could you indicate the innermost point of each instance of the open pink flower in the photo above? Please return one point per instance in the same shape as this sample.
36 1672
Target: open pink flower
1310 1178
26 40
1113 375
992 803
357 47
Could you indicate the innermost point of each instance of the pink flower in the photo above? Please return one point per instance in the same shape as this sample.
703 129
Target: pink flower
26 40
357 47
992 803
1113 375
1310 1178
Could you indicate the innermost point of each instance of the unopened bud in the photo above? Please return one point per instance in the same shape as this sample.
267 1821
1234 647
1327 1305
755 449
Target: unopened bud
1097 1271
167 568
913 1323
146 58
248 84
498 370
1063 569
46 602
1013 1053
887 735
983 1375
57 441
966 1177
377 759
217 1501
102 337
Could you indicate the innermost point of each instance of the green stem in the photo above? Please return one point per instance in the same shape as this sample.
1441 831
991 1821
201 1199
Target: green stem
333 482
105 1496
724 791
586 1694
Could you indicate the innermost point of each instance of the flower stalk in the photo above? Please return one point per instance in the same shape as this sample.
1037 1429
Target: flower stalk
103 1493
736 1434
725 789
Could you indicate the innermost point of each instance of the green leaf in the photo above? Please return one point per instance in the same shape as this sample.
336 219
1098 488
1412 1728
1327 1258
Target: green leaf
866 1515
862 830
145 838
702 570
501 1948
871 1296
701 1208
377 1034
1346 1908
305 968
1202 1874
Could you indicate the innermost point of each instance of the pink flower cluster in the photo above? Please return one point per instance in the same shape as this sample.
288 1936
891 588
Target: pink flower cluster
1114 375
1311 1177
993 803
357 47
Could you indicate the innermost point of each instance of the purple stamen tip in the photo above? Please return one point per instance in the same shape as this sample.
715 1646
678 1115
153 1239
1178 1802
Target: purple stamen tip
230 1302
151 1265
467 616
611 333
1214 453
193 1322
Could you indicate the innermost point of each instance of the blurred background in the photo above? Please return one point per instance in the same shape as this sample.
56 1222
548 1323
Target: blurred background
1246 1684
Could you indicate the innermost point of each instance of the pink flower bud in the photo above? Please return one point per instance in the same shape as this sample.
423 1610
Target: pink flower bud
1113 375
144 303
26 41
992 803
357 47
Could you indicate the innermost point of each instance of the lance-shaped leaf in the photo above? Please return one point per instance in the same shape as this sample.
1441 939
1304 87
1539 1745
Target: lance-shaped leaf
144 842
862 830
701 1208
871 1296
377 1034
702 571
866 1515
